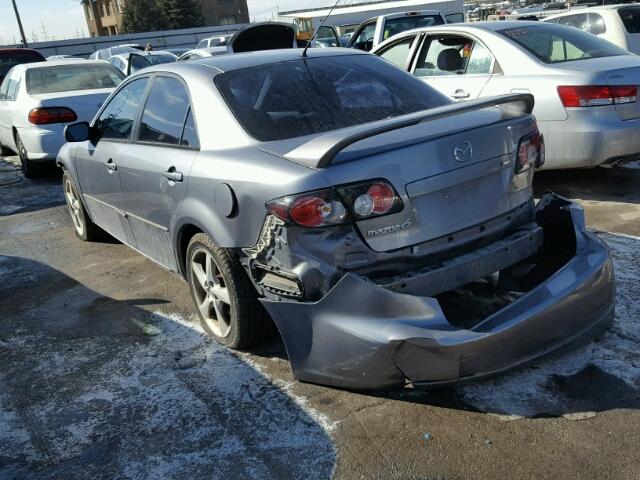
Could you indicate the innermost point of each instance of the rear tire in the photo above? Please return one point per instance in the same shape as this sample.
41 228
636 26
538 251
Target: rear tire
85 229
29 169
226 300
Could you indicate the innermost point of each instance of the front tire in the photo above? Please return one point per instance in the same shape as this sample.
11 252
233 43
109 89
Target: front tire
29 170
227 302
85 229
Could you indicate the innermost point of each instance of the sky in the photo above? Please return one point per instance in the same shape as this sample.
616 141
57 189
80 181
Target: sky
65 18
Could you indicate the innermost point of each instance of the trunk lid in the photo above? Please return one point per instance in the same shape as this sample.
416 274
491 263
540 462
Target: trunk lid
614 71
85 103
442 194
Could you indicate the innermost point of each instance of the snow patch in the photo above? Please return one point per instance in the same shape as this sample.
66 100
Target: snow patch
529 392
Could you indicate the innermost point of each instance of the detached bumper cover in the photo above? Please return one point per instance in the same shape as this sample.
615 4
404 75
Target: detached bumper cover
361 335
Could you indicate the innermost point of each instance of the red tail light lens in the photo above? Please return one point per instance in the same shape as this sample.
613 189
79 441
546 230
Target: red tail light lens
597 95
370 199
331 206
314 209
44 116
530 152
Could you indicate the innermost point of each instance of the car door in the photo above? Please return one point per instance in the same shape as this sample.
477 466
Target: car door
155 176
98 160
8 96
457 65
400 52
362 39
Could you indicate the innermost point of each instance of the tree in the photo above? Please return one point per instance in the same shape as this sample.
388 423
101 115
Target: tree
178 14
142 16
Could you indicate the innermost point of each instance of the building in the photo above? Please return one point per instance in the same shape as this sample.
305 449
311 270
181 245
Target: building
104 17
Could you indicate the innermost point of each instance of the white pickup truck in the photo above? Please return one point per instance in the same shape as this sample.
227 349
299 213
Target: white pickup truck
377 29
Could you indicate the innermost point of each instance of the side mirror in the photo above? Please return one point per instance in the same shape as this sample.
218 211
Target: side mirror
77 132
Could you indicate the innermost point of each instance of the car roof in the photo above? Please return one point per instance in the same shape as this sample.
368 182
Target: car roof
236 61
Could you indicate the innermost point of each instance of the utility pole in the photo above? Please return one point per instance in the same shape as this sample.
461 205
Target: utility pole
15 9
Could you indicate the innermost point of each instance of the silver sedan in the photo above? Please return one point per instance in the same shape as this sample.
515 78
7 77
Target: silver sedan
585 88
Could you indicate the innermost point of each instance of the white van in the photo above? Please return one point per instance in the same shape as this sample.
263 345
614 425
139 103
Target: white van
619 24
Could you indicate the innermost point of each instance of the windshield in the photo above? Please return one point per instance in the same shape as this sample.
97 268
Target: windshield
630 17
302 97
552 43
10 60
64 78
393 26
158 59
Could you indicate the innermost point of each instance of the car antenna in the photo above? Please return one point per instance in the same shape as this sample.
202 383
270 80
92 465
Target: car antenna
313 37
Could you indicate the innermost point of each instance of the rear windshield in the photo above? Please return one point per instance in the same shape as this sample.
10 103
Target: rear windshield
64 78
302 97
393 26
630 17
552 43
10 59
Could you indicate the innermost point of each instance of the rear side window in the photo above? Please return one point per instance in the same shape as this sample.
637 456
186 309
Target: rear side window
596 24
190 135
116 120
556 44
11 59
577 21
65 78
165 112
630 17
302 97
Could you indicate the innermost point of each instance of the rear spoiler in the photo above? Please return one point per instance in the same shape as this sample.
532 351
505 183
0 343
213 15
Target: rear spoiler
321 150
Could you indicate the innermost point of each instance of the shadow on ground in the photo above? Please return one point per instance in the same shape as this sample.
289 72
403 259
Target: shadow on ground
27 195
92 387
618 184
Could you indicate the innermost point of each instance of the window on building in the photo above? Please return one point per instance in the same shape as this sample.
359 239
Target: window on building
89 11
105 8
119 6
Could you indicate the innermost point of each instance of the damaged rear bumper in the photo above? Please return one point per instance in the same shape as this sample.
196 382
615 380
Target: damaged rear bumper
361 335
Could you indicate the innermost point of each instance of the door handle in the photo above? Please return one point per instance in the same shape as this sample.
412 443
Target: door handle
173 175
111 166
459 94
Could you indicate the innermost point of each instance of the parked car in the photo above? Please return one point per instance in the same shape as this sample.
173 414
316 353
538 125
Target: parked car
215 41
202 53
37 100
177 51
585 88
106 53
131 62
63 57
619 24
357 205
376 30
10 57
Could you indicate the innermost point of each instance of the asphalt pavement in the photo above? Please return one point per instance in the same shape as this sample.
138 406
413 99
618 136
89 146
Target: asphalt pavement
105 373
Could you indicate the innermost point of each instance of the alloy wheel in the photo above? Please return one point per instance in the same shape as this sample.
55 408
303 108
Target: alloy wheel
75 207
211 292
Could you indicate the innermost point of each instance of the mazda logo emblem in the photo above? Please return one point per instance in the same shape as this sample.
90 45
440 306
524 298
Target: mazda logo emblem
463 151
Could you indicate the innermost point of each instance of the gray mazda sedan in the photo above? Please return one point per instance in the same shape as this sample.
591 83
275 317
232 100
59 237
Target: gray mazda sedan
389 234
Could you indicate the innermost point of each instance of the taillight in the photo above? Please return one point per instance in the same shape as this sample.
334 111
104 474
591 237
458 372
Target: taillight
597 95
47 115
337 206
314 209
530 152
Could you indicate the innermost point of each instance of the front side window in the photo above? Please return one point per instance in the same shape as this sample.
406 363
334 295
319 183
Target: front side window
596 24
398 52
302 97
327 36
65 78
394 26
364 38
138 62
577 21
164 114
556 44
446 55
630 17
117 119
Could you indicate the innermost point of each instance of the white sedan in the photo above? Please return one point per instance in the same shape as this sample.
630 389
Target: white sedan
37 100
585 88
